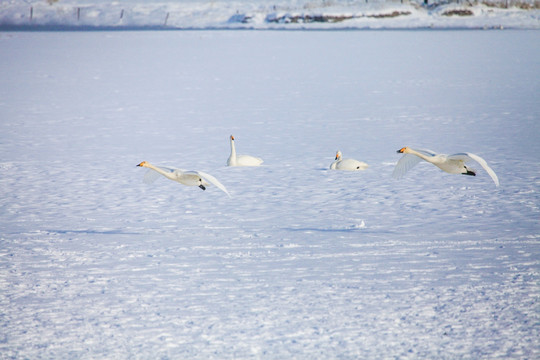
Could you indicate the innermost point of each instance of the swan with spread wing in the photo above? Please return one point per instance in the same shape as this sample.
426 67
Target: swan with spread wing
453 164
188 178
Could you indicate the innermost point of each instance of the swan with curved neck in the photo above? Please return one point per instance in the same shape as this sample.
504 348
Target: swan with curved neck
347 164
453 164
188 178
241 160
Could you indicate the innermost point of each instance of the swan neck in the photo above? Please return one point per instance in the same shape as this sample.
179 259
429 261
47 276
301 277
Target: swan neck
232 158
233 149
155 168
420 155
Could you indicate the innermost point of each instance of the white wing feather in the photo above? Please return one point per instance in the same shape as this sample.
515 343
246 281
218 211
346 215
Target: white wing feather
150 176
460 156
470 156
213 181
407 162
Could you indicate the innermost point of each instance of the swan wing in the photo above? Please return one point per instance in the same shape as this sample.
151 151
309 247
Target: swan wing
460 156
407 162
466 157
150 176
213 181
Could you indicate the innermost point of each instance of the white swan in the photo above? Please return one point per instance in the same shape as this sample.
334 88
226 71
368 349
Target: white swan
347 164
453 164
242 160
189 178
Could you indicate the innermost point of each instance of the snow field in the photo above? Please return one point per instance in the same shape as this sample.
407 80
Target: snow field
302 262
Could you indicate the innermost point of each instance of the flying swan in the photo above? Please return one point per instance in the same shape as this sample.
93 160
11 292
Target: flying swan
453 164
242 160
189 178
347 164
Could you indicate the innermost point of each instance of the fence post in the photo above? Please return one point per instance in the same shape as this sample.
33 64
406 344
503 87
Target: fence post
166 18
31 13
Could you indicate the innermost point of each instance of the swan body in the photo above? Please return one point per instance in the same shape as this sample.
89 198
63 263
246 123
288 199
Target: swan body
453 164
188 178
347 164
242 160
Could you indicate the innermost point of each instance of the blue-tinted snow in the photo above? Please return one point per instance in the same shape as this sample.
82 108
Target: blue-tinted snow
302 262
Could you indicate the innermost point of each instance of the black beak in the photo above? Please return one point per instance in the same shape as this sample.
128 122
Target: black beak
399 151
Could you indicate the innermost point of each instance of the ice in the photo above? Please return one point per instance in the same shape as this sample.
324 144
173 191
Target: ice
302 262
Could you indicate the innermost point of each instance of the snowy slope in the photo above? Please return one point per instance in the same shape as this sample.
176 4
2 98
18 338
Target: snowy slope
256 14
302 262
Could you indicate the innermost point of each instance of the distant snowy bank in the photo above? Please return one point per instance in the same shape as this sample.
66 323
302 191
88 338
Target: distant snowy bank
258 14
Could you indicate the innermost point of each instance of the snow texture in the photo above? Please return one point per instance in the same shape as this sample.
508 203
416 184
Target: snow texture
262 14
303 262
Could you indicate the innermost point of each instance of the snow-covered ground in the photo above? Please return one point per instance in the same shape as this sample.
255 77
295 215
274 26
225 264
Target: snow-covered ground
262 14
302 262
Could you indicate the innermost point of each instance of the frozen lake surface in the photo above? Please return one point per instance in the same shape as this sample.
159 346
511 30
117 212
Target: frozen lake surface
302 262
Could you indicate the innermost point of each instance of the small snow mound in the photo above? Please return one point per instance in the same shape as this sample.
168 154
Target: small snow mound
361 225
6 166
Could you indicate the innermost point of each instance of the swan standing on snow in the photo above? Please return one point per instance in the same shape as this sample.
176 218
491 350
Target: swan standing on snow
347 164
453 164
242 160
189 178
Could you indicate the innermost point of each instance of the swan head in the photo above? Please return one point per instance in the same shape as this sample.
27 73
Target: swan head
143 164
338 155
402 150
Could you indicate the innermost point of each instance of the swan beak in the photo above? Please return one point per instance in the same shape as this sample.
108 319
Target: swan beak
232 137
401 151
142 164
